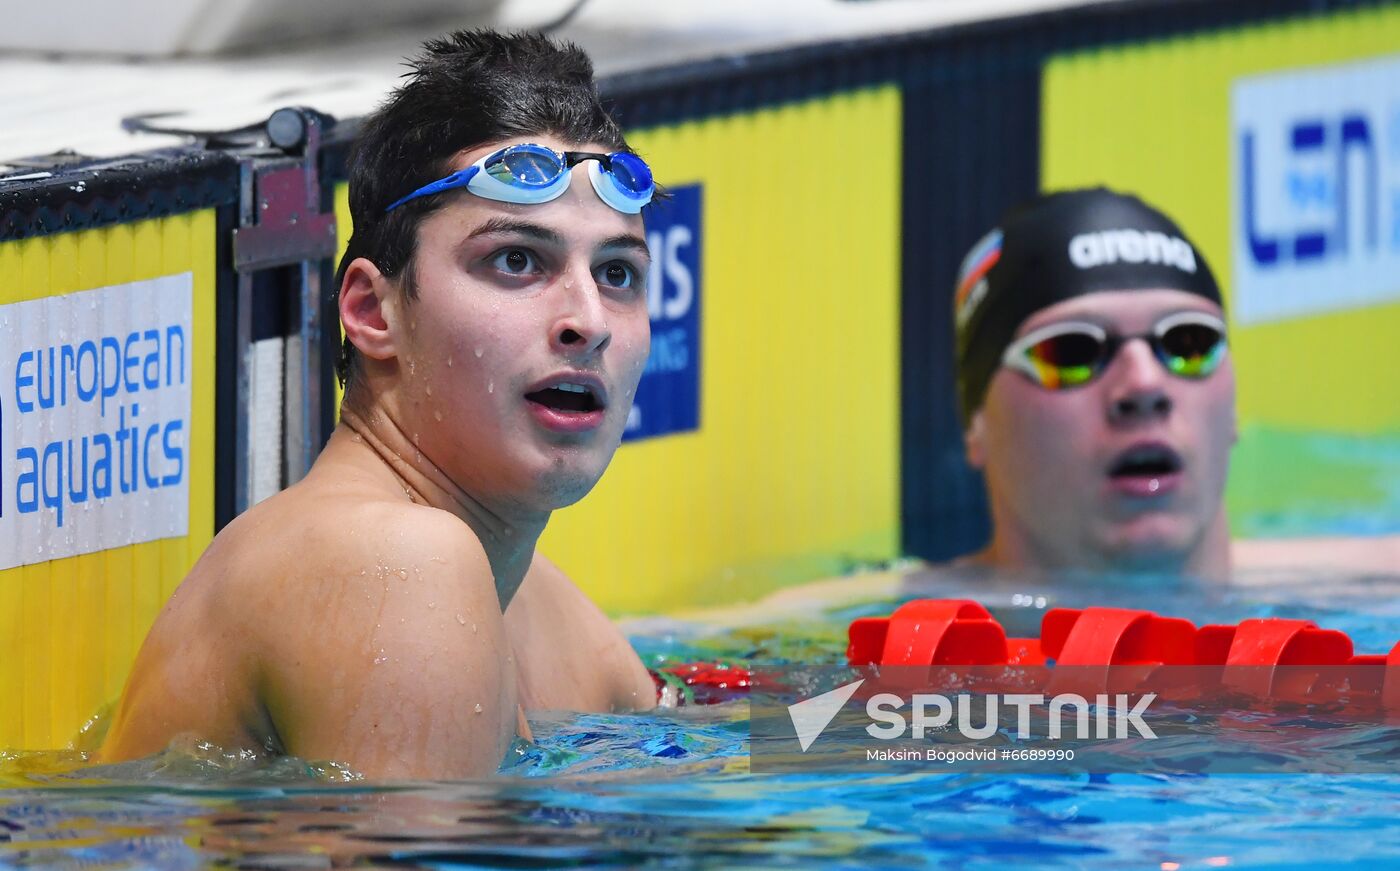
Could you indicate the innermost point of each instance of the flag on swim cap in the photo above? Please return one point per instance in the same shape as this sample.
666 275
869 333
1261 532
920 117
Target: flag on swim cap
1056 247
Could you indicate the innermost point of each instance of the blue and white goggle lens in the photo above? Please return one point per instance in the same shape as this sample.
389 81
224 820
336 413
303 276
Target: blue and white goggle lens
525 166
531 174
629 175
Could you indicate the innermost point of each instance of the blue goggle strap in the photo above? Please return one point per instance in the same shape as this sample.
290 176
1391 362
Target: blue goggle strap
460 178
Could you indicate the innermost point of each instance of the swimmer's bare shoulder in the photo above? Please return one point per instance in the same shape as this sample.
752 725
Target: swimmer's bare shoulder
1353 555
571 656
334 621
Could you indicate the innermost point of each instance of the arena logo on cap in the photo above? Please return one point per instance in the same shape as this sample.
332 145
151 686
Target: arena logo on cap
1088 250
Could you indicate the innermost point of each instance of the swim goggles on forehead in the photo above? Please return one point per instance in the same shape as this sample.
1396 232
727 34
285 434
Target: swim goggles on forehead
530 174
1071 353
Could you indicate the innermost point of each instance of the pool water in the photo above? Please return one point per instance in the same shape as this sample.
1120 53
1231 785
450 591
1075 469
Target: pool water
673 788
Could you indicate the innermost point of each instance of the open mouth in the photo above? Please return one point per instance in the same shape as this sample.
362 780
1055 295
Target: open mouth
1146 461
568 398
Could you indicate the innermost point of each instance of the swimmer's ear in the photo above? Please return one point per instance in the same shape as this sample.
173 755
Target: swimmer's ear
365 295
975 441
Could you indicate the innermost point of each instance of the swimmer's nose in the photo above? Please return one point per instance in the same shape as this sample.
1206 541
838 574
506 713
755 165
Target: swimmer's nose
582 328
1140 406
1137 386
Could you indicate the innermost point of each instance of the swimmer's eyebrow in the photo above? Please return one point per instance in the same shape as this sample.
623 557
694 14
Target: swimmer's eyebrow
509 226
504 226
627 242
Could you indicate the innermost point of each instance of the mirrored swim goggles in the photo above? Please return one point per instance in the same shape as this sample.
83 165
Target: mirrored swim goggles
1068 354
532 174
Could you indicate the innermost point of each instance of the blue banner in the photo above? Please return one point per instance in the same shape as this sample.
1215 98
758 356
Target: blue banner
668 399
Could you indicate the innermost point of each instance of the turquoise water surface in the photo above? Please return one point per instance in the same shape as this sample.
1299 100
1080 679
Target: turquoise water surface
673 788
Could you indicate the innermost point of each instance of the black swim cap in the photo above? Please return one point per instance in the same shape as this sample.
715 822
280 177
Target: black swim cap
1056 247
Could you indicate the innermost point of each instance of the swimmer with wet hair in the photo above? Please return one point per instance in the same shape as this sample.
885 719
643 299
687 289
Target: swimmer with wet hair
1097 394
390 611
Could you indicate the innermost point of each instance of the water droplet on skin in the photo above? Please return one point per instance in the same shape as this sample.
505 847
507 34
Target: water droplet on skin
491 387
437 414
1153 485
403 574
461 620
449 362
478 353
381 658
412 366
432 605
430 389
477 708
415 438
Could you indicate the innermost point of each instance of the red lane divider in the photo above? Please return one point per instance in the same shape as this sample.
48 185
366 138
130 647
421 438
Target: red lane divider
709 682
1272 641
1267 644
929 632
1097 643
939 632
1083 643
1391 696
1116 636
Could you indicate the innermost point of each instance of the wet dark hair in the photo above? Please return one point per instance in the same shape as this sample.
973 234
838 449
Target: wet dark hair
465 89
